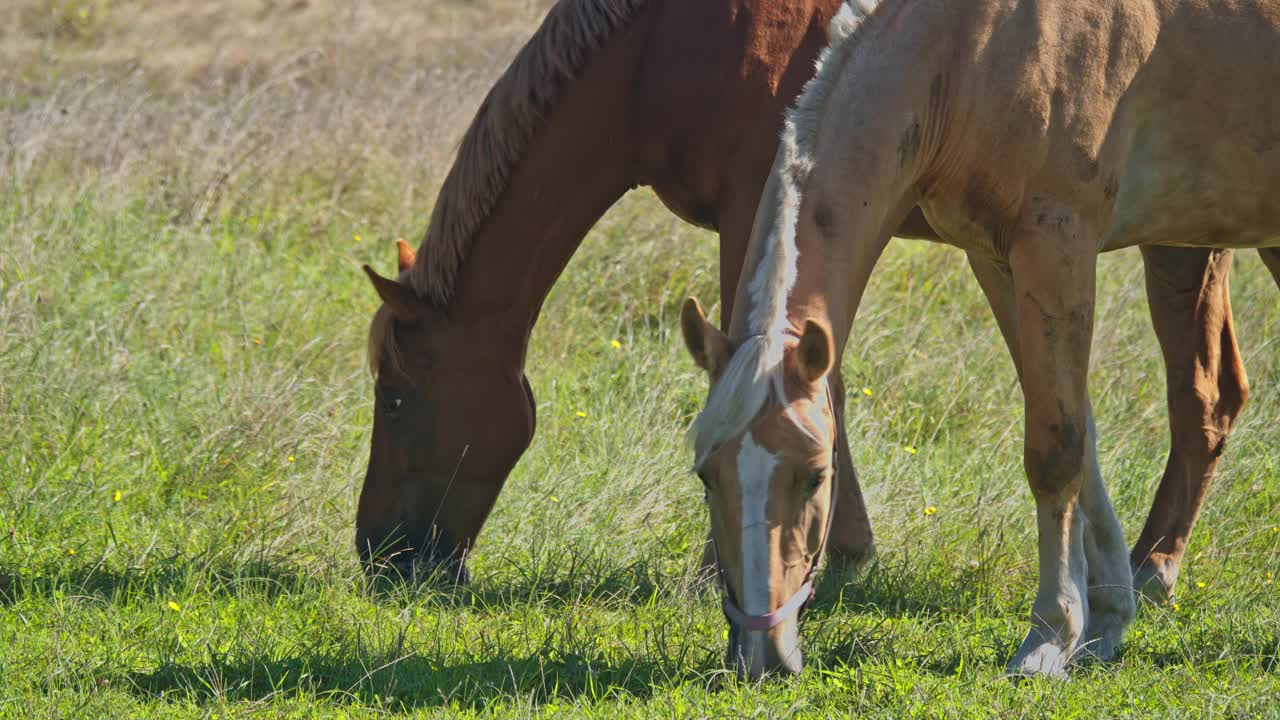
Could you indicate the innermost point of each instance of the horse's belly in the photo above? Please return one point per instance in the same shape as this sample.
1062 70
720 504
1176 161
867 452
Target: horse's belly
1213 218
1202 201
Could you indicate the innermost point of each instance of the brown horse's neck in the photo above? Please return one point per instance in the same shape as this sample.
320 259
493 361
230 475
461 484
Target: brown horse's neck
573 170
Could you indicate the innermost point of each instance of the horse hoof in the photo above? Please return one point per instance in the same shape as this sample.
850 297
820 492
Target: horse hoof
1038 657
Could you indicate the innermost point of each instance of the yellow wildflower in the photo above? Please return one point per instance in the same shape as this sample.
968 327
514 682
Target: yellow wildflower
1176 607
175 606
581 413
866 391
909 449
1200 584
290 458
616 345
356 237
555 499
115 497
71 551
931 510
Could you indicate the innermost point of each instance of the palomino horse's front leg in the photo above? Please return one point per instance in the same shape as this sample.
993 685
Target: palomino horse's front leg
1110 594
1053 260
1191 312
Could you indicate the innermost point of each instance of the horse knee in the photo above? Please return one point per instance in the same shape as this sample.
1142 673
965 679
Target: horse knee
1233 390
1054 455
1202 418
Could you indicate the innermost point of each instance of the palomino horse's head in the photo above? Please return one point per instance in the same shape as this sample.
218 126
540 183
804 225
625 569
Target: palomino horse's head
450 420
764 451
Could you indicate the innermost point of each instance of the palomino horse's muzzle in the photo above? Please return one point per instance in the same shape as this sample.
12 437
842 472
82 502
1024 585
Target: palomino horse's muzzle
802 597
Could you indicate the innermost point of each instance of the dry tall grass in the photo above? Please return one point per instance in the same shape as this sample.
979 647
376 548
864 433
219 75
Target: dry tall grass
214 105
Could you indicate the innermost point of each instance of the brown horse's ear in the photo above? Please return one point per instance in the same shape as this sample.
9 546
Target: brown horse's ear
407 254
400 298
709 347
814 353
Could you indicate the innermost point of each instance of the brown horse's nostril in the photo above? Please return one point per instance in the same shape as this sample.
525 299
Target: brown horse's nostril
440 562
403 564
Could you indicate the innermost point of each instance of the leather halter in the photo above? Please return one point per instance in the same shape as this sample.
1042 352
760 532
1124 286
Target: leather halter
802 597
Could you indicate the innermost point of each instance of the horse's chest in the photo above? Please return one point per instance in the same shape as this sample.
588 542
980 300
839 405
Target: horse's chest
971 229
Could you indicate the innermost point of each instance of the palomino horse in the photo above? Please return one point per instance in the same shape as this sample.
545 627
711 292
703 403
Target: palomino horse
1034 134
686 97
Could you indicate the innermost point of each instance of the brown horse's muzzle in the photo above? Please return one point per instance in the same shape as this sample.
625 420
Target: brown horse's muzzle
437 558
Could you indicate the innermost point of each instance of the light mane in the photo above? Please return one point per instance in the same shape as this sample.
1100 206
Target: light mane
753 377
512 113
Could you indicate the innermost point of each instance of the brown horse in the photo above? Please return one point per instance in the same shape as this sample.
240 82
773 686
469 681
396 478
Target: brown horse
1034 134
686 97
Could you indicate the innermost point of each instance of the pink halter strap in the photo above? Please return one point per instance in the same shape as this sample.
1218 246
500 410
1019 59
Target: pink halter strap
770 619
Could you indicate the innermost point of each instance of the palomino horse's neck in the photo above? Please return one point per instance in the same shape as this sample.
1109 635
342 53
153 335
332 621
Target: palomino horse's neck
781 274
820 229
573 170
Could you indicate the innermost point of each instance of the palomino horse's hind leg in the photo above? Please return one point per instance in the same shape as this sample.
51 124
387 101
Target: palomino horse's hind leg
1110 594
1191 312
1111 603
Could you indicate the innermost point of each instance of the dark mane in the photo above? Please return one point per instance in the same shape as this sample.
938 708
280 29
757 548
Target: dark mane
511 114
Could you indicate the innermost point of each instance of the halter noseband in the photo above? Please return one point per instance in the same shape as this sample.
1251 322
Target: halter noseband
802 597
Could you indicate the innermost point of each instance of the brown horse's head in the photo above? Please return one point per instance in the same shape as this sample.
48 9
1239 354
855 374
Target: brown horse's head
451 418
764 453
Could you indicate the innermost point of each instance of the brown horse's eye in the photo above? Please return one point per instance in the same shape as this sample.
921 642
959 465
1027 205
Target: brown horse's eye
390 402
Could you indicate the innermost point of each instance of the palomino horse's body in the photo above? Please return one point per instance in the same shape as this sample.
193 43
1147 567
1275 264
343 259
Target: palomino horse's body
686 97
1034 135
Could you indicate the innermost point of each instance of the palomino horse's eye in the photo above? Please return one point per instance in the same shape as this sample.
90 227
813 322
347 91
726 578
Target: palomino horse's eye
815 480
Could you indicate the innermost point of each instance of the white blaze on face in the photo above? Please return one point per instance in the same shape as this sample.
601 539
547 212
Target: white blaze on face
755 468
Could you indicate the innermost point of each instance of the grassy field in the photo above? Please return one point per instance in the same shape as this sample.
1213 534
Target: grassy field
187 191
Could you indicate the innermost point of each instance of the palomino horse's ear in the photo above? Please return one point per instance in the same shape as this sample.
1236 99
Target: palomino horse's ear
400 298
709 347
407 254
814 353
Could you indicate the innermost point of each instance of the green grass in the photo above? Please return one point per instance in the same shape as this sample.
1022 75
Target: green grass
184 419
